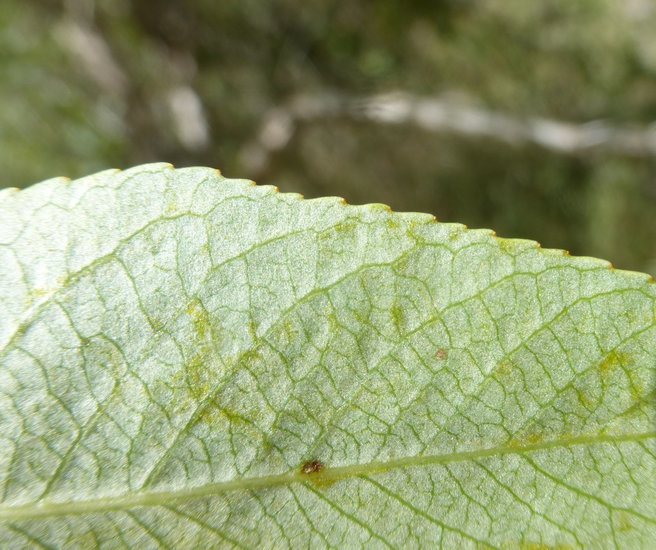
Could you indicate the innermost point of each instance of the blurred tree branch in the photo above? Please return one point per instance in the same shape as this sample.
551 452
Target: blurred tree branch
440 115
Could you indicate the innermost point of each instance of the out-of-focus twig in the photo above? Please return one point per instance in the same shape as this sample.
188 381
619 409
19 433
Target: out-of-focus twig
438 115
92 51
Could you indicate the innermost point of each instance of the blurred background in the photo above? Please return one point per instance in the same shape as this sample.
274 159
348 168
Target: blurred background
535 119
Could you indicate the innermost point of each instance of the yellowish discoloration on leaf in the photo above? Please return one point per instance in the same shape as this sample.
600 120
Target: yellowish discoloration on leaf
398 314
624 522
612 362
199 376
172 209
506 367
200 319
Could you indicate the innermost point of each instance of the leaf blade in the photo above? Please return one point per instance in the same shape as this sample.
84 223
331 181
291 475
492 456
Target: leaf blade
180 373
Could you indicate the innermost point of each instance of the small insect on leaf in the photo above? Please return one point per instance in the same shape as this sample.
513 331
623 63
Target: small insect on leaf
312 467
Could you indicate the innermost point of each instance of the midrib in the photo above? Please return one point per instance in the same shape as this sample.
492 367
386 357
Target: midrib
326 477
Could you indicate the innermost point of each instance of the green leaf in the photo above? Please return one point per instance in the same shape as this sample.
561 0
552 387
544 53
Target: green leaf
194 362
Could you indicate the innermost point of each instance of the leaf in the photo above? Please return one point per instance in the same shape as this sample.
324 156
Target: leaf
195 362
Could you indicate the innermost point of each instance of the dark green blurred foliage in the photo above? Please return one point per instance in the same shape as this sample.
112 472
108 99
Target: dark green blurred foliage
91 84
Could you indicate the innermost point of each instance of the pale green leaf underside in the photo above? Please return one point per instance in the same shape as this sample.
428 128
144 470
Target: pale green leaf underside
174 346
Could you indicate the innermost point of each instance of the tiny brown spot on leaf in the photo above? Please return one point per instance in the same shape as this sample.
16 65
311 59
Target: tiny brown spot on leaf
312 467
441 354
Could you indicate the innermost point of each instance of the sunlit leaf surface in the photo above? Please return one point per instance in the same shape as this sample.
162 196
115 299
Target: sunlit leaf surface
188 361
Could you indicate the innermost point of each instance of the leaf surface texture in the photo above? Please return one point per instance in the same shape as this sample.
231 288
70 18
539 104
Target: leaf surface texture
189 361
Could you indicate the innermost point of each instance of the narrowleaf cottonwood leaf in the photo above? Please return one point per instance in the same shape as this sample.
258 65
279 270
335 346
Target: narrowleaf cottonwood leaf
188 361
